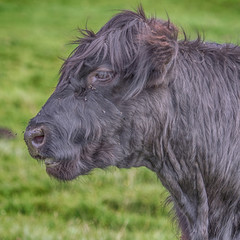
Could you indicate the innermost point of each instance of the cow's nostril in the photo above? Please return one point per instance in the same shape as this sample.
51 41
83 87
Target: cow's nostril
35 138
38 140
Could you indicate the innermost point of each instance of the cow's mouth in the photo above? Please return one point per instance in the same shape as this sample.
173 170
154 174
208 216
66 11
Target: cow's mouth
64 170
51 163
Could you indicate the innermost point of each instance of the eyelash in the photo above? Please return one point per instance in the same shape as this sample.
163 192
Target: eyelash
104 75
101 76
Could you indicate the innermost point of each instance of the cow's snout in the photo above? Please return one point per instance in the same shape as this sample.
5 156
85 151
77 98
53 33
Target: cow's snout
35 139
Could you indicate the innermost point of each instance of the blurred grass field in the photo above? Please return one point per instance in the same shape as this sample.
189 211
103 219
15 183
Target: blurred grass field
105 205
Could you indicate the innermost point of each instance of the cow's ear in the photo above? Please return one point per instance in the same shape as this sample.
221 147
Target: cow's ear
157 52
161 47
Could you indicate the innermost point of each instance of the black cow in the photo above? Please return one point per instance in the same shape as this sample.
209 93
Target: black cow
132 95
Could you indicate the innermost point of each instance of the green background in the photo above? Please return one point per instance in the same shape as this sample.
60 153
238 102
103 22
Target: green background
110 204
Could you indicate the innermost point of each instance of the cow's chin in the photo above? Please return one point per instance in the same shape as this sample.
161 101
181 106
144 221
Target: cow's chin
64 170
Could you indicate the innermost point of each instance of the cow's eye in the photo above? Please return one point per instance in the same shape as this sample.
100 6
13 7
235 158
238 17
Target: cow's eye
101 76
104 75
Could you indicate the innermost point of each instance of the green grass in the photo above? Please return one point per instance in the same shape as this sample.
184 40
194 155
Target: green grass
112 204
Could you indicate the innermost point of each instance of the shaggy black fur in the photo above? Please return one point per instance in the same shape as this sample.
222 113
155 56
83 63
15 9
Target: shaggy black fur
133 95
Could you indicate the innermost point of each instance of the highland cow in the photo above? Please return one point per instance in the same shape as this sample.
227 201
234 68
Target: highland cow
134 95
